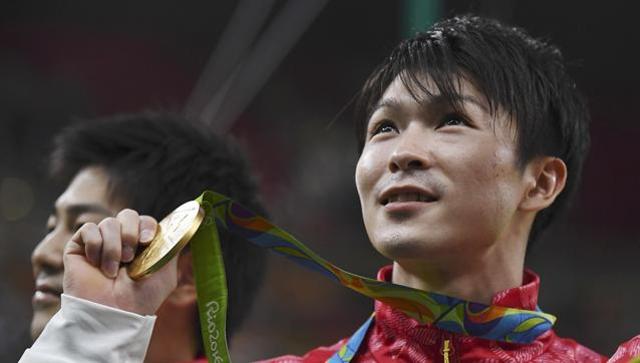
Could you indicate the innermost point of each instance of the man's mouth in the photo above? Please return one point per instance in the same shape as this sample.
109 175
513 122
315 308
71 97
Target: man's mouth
406 194
46 293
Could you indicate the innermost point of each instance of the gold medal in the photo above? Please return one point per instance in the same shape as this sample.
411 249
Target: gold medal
174 232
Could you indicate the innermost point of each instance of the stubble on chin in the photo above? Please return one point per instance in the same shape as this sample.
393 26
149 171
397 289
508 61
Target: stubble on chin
396 246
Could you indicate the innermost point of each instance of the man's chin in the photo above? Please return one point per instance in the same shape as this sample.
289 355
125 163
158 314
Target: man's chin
40 319
399 250
405 246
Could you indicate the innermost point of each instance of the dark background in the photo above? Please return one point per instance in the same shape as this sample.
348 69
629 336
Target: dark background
68 59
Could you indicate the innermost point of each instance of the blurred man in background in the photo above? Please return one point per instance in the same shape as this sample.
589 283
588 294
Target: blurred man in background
151 163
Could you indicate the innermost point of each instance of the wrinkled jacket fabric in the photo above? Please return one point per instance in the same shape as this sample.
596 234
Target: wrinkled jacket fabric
395 337
627 351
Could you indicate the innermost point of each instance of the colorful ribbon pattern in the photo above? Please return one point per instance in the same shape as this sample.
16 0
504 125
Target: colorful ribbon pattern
348 351
448 313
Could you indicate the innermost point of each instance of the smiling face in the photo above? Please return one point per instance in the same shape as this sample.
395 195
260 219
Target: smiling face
434 182
84 200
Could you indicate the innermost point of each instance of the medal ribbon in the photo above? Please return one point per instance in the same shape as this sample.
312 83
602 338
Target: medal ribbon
447 313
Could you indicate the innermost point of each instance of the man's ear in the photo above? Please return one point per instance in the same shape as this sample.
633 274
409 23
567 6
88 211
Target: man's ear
185 292
547 177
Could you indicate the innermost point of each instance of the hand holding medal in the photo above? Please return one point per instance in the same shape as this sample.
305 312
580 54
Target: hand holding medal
95 259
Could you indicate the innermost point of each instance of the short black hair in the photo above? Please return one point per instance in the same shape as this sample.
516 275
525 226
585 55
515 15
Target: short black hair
518 74
155 162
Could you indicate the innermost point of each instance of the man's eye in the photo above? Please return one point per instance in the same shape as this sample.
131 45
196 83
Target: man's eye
51 224
384 127
453 120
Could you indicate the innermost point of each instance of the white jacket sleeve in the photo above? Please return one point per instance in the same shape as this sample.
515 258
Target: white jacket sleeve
84 331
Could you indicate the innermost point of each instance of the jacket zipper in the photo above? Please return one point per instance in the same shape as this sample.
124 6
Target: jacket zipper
446 347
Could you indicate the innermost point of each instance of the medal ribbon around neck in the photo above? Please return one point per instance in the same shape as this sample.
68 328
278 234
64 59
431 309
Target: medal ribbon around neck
447 313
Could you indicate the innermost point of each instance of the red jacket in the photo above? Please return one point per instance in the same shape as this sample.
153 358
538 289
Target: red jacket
395 337
627 351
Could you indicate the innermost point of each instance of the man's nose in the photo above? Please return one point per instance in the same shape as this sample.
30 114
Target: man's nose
410 152
48 253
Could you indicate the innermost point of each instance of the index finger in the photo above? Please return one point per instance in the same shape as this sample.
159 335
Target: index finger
130 222
86 241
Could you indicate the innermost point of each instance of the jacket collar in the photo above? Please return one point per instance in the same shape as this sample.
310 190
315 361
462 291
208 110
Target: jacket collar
390 322
397 337
521 297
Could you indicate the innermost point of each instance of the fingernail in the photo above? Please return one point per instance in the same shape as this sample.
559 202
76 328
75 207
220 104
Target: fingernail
127 253
146 235
111 269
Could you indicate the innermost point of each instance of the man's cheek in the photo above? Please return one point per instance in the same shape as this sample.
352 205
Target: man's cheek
365 180
469 210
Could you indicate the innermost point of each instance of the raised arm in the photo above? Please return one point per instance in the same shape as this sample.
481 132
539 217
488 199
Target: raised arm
105 316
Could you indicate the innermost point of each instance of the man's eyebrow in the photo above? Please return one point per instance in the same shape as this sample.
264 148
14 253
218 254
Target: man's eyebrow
430 101
386 102
78 209
466 98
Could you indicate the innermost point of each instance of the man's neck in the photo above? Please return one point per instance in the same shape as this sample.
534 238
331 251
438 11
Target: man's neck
475 276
